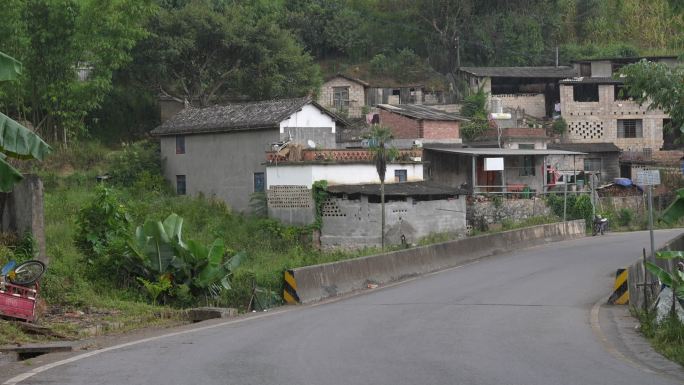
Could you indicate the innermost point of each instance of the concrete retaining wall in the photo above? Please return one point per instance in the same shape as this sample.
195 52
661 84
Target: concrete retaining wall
636 273
322 281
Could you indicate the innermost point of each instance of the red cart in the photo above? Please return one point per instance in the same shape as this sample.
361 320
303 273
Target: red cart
18 301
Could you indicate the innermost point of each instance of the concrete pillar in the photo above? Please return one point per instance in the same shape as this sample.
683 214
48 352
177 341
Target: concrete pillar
22 211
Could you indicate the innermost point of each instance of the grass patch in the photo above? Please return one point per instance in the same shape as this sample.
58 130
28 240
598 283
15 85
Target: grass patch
666 338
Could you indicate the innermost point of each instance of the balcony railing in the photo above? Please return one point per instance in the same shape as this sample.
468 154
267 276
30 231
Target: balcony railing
352 155
643 155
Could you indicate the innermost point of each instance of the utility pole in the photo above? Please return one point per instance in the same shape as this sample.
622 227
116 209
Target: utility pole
458 51
650 219
556 56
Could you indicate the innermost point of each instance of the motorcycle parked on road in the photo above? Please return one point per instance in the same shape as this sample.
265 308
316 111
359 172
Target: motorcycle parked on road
600 225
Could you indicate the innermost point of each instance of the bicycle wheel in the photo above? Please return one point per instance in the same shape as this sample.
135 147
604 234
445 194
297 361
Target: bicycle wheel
28 273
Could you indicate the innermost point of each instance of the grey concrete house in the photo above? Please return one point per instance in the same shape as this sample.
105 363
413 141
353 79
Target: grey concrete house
220 151
352 213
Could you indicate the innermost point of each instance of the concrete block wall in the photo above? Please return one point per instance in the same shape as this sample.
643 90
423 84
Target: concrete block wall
327 280
355 224
357 95
533 104
592 122
22 211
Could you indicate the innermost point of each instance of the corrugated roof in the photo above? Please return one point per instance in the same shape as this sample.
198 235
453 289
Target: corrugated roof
585 147
590 80
498 151
236 116
397 189
421 112
521 72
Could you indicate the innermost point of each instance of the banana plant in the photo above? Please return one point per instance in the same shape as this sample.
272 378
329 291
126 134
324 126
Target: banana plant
16 141
674 280
160 243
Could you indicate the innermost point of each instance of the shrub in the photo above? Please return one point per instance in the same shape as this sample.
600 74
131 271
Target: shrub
625 217
103 228
140 160
559 126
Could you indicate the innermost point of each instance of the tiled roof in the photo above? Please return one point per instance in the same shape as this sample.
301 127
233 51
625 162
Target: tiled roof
234 117
585 147
421 112
521 72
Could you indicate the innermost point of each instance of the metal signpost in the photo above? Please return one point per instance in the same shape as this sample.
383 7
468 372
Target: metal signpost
649 178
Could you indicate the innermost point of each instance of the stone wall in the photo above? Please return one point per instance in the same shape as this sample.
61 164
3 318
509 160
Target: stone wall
483 211
354 224
22 211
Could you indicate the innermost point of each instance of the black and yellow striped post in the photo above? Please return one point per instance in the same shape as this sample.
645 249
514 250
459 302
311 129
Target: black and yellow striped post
290 288
620 294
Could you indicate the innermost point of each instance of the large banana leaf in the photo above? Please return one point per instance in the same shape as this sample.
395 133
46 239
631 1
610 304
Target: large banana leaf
214 270
10 68
662 275
675 211
670 254
9 176
19 142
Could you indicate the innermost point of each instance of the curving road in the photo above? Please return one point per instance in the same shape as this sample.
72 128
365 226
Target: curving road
520 318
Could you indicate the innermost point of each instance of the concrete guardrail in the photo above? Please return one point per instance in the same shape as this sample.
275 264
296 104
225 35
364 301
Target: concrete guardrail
314 283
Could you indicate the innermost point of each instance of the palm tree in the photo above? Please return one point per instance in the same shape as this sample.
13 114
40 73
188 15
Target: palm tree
380 136
16 141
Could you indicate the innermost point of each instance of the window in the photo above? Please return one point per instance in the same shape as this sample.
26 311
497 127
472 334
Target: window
259 182
592 164
400 175
180 184
630 128
621 93
586 93
526 146
180 144
585 69
341 98
527 168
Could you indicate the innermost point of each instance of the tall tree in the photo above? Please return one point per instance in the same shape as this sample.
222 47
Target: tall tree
201 54
658 86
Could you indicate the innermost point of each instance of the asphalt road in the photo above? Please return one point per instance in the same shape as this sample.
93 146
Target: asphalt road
520 318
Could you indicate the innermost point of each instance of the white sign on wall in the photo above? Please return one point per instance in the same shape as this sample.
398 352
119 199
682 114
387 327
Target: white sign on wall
648 177
494 164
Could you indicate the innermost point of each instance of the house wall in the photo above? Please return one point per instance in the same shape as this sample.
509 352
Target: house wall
512 168
355 224
310 123
291 204
221 165
594 122
402 127
448 169
533 104
610 165
306 174
357 96
482 213
441 129
601 69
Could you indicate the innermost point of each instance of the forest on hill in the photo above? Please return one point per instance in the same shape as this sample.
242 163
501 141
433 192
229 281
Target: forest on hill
94 68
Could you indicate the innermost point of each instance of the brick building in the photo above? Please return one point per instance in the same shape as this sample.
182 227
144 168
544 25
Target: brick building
411 122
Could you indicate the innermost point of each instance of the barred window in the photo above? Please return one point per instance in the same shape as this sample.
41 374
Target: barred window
180 184
630 128
341 98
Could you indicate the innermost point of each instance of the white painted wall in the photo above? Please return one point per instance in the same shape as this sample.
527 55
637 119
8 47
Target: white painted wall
308 116
336 174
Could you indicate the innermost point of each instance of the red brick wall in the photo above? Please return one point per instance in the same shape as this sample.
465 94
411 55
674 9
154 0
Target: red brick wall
441 129
401 126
